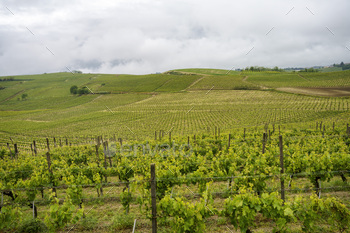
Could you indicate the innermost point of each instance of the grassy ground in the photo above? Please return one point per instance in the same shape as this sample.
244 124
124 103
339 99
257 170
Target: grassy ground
278 79
102 213
139 115
184 101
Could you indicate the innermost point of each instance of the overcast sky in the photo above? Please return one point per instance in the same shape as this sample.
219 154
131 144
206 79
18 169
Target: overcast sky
148 36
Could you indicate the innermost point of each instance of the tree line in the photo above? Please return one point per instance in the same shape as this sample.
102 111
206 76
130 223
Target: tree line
343 66
7 79
261 68
79 91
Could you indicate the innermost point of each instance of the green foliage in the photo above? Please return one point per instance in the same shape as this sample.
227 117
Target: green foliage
243 208
224 82
83 91
272 207
126 198
10 217
80 91
89 222
24 96
303 79
60 215
314 212
261 69
185 216
309 70
206 71
32 226
343 66
3 153
74 89
7 79
54 112
122 221
306 153
75 190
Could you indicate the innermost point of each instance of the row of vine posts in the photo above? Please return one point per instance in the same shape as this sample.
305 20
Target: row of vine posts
153 181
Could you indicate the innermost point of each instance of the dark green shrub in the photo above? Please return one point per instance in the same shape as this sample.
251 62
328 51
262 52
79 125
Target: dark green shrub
32 226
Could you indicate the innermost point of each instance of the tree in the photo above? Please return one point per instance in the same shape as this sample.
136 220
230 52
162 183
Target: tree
24 96
83 91
74 90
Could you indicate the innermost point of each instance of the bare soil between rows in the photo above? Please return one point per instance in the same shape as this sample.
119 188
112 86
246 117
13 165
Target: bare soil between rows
318 91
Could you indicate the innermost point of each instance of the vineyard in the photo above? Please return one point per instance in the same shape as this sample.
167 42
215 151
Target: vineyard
278 79
200 176
130 115
192 150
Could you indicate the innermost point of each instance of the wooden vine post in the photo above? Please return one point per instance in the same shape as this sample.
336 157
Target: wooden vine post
98 165
48 145
154 196
35 211
35 150
229 140
107 152
16 149
264 143
282 167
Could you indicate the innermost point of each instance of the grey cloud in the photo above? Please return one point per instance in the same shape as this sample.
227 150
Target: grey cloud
149 36
121 62
90 64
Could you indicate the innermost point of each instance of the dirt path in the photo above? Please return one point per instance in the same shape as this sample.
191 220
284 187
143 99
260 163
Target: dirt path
163 84
195 82
35 120
259 85
8 98
321 91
